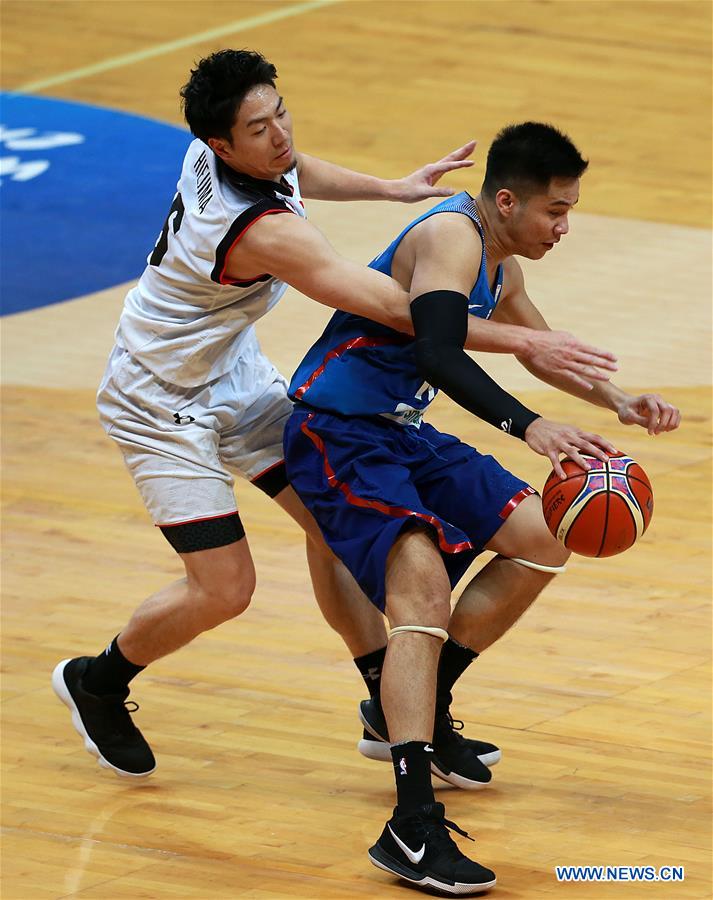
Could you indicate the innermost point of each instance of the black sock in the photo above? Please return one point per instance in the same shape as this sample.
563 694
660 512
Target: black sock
412 768
110 672
370 666
455 659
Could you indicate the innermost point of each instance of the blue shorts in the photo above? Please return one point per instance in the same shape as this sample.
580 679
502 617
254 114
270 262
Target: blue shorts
366 479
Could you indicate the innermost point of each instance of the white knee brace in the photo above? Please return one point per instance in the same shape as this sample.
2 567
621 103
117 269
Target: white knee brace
424 629
549 570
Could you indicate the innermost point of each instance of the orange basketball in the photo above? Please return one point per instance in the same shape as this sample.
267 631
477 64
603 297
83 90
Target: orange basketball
601 512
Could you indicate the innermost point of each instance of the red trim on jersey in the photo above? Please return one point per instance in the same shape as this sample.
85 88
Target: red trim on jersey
395 511
192 521
222 279
343 348
515 501
280 462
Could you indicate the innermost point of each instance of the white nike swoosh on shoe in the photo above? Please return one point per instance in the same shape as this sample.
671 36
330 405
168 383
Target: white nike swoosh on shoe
414 857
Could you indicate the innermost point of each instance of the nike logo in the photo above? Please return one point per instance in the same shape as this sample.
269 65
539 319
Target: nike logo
414 857
428 748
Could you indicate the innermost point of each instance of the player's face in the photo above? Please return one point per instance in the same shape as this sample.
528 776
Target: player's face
261 138
542 221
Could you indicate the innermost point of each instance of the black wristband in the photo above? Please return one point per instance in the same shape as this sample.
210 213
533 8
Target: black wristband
440 321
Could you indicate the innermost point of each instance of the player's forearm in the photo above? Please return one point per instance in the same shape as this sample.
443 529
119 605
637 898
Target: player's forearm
440 324
603 393
322 180
497 337
362 292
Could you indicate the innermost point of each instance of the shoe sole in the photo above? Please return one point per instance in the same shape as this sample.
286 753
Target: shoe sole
60 688
382 860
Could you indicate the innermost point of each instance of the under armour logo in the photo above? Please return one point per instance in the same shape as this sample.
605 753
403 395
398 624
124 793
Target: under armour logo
373 674
183 420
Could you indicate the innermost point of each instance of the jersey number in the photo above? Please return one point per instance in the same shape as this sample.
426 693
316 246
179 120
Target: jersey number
175 213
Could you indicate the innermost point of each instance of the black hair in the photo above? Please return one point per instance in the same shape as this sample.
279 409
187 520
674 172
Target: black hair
526 157
218 85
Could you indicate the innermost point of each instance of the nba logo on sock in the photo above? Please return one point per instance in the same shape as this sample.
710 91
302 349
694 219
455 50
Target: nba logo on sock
402 765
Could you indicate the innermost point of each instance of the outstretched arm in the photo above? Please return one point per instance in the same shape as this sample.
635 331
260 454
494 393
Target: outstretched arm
649 410
556 353
293 250
322 180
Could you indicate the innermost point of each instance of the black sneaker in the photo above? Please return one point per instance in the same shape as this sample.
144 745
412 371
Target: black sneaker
458 760
103 722
419 849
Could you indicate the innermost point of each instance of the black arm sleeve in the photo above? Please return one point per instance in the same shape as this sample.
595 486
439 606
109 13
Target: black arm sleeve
440 321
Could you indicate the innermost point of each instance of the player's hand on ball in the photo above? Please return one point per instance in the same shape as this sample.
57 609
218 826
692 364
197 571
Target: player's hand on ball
560 354
551 439
421 185
650 411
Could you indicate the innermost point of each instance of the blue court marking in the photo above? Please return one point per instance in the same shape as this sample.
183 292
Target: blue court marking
84 192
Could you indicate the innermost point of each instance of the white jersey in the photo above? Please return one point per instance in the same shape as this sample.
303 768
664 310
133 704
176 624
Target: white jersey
185 320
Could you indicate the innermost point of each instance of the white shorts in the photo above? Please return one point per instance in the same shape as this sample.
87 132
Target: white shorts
179 443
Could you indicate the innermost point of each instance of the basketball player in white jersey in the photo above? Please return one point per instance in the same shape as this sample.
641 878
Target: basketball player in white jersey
189 397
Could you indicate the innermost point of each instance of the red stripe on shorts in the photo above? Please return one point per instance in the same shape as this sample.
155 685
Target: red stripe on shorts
395 511
280 462
515 501
193 521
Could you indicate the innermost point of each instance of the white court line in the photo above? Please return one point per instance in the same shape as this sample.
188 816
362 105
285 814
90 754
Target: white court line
127 59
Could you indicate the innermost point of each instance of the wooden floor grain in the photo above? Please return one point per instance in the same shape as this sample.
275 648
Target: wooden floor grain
600 697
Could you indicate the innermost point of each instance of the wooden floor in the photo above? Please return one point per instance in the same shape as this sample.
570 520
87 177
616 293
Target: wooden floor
600 697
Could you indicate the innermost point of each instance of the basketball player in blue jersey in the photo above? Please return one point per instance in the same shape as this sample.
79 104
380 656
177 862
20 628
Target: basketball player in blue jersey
189 398
408 508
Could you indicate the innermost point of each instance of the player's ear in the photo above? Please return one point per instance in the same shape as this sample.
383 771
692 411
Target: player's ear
219 146
505 201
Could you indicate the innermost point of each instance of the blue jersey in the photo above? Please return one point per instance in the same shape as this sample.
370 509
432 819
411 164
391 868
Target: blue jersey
361 368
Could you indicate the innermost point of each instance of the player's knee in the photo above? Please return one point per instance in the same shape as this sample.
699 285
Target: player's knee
220 603
525 535
549 555
546 549
437 611
431 609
